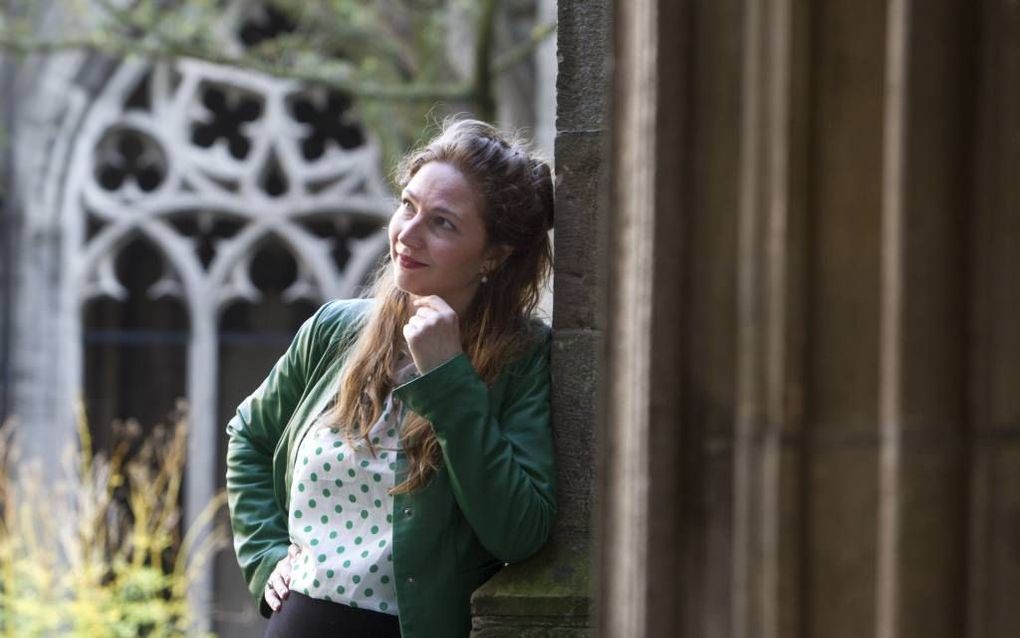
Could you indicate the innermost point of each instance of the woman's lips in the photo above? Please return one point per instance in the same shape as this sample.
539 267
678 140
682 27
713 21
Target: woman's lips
408 263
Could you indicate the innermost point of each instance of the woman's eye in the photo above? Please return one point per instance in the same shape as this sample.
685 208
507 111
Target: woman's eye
443 222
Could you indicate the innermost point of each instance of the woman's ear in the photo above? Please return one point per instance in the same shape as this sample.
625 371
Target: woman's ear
496 255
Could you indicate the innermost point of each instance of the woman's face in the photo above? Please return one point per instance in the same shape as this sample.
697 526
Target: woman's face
437 237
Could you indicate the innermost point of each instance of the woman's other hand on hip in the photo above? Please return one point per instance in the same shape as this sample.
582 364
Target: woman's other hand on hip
278 585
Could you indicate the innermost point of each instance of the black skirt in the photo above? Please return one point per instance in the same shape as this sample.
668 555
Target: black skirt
302 617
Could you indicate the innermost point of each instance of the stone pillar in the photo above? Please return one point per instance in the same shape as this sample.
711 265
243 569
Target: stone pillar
813 421
549 595
53 98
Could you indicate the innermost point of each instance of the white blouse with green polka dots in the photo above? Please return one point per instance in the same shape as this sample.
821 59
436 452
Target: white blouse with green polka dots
341 517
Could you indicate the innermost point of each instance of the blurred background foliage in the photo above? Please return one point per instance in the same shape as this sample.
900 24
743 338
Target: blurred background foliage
98 551
394 56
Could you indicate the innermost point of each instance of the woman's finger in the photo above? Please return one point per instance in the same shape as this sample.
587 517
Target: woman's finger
435 302
272 599
426 310
425 300
277 584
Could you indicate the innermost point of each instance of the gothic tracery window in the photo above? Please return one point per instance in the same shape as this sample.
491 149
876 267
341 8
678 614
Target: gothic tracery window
218 209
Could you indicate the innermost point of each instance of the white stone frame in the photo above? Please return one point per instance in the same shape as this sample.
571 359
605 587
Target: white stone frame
356 189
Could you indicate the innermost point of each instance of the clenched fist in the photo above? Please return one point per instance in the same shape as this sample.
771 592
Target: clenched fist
432 333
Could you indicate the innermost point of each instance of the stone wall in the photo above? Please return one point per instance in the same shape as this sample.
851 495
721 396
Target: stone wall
550 595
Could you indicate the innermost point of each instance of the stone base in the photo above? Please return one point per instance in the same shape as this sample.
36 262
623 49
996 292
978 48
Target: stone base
548 595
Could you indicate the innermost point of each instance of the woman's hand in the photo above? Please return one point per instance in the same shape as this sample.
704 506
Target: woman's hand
432 333
278 585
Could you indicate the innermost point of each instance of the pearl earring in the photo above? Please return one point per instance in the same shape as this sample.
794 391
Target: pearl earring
485 278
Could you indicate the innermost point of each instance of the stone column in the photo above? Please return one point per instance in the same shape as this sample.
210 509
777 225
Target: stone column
549 595
814 353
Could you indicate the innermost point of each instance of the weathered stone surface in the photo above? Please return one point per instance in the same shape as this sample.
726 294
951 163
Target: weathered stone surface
575 410
582 87
547 595
580 243
550 594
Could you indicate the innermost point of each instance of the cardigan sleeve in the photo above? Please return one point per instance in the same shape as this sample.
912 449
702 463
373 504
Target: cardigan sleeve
499 460
259 524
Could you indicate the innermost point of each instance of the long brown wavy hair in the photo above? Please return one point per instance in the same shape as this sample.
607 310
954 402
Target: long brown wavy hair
516 191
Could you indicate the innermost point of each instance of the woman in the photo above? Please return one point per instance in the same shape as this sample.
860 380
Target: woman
399 453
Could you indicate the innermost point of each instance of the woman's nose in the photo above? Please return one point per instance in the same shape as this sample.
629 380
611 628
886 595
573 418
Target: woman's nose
409 233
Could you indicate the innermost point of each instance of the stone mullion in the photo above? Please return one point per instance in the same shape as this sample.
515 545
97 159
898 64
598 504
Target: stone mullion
200 470
198 297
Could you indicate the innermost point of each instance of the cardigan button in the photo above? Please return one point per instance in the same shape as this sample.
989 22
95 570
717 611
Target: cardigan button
408 511
410 580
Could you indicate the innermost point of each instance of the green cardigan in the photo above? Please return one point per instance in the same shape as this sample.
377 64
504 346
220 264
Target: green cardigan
491 501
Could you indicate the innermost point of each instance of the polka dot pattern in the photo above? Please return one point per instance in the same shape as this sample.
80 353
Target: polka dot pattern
346 554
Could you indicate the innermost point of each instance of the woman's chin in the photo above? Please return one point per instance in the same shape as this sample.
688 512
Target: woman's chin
407 283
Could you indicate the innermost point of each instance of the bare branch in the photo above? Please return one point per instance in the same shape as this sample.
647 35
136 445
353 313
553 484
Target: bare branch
324 29
337 75
383 63
520 52
484 38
